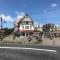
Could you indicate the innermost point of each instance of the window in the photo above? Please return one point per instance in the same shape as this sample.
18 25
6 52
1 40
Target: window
22 23
22 27
26 22
26 27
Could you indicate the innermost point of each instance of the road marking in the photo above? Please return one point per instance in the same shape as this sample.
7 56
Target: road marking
24 48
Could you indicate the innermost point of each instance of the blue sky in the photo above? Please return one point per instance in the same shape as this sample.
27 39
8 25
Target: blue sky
41 11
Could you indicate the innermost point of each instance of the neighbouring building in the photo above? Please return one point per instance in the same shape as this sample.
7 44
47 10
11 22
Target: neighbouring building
24 26
51 29
37 30
48 29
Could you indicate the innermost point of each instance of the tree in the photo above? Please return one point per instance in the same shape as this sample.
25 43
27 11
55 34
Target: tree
8 31
48 28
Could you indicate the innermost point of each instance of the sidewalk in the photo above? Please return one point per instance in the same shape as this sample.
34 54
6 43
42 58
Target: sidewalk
53 42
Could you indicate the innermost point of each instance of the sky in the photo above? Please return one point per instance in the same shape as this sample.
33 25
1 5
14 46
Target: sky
41 11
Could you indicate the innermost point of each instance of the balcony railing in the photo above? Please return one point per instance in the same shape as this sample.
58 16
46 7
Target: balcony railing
27 27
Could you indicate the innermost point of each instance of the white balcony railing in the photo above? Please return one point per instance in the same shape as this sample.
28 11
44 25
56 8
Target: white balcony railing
26 27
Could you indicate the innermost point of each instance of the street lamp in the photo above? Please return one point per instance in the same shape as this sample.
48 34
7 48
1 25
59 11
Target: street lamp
1 22
1 31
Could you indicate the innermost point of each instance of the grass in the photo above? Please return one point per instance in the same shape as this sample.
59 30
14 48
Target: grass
37 42
12 41
20 42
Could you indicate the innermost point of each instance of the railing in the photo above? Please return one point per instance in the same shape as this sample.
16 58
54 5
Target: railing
26 27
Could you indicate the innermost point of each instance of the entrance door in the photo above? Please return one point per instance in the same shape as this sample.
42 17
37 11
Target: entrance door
23 34
26 34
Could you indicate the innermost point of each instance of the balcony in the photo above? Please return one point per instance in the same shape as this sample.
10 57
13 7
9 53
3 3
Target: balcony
26 27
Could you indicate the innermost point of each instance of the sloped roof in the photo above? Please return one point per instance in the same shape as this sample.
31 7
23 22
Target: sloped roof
26 15
21 19
16 22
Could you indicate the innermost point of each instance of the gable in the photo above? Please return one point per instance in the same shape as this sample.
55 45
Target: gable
26 18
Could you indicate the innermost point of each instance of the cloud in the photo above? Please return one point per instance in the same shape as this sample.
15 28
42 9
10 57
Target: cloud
54 5
20 14
6 18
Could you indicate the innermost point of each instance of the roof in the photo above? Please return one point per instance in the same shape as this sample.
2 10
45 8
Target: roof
26 17
21 19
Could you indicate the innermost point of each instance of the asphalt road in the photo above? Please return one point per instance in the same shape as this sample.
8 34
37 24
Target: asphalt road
28 54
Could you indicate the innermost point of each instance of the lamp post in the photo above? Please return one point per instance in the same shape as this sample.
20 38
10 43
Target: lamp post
1 23
1 31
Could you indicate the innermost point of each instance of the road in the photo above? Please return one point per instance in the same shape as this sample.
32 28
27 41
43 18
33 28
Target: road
29 52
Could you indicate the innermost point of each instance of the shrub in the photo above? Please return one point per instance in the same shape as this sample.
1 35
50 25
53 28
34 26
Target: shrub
38 42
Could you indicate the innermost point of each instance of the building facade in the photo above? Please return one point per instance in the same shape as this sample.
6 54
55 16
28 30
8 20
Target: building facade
24 25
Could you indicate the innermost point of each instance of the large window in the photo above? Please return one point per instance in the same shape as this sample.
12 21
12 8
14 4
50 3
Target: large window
26 27
23 23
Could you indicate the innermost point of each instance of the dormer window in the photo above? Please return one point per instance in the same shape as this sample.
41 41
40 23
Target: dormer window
26 22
